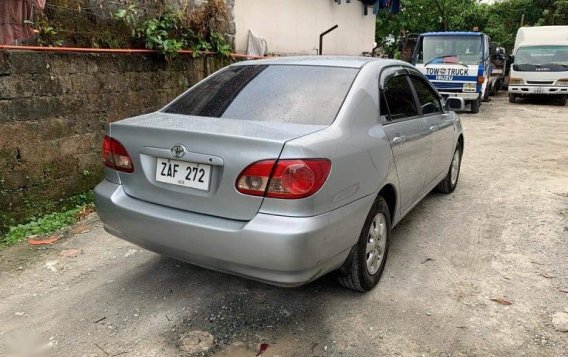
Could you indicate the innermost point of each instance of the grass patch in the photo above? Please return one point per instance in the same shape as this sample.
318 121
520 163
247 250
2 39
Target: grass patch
49 223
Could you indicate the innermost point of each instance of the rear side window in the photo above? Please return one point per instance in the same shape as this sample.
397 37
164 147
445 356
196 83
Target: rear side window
270 93
428 99
399 98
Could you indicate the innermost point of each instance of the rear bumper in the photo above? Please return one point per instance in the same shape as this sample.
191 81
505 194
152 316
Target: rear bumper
285 251
465 96
537 90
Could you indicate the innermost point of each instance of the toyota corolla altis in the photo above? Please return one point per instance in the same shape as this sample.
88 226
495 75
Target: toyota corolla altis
283 170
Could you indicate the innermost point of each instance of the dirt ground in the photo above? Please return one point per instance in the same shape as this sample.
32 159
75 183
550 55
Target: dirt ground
502 235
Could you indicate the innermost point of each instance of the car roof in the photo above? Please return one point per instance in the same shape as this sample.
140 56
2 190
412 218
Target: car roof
327 61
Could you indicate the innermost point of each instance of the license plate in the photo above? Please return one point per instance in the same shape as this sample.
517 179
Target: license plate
538 90
183 173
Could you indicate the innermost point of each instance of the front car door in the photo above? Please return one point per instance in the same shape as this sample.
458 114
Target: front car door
408 134
441 127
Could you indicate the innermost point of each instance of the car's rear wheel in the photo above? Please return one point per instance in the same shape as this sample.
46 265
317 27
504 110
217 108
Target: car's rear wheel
449 183
366 262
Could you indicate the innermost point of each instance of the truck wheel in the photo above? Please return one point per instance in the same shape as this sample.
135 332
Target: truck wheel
486 94
495 88
512 98
366 262
475 106
562 100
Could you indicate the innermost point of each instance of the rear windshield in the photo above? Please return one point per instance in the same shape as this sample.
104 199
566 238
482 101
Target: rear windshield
270 93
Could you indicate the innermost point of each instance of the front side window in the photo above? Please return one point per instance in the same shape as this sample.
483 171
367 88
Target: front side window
542 58
427 97
270 93
399 97
445 49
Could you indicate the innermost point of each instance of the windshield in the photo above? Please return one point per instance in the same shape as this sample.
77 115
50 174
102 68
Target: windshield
270 93
451 50
539 55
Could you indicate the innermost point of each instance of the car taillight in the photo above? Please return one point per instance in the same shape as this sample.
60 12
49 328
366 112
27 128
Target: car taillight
480 80
286 179
115 156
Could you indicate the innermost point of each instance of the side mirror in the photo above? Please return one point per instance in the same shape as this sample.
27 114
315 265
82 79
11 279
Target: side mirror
455 104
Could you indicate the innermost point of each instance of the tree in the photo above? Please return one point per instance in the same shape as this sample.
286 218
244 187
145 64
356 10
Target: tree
499 20
417 16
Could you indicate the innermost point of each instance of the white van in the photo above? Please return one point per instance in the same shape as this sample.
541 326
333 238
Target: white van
540 65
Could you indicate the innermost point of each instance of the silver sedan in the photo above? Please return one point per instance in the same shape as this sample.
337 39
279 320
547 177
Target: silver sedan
283 170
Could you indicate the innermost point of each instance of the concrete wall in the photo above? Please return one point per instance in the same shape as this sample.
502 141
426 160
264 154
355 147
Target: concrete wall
53 108
293 26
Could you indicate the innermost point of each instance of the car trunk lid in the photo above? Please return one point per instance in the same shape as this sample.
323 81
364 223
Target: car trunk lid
224 146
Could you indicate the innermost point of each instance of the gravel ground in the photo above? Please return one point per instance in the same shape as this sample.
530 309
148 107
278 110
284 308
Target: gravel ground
481 272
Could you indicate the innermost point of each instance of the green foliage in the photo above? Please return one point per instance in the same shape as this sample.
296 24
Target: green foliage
129 16
43 225
219 45
161 34
46 35
171 32
499 20
76 23
49 223
200 46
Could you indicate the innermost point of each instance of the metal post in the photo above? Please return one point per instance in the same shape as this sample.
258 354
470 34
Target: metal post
321 38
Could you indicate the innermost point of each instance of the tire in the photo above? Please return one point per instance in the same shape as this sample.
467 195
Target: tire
356 273
475 106
562 100
448 184
512 98
486 94
495 88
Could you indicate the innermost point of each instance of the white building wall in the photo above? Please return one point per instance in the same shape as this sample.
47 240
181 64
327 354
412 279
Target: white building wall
293 26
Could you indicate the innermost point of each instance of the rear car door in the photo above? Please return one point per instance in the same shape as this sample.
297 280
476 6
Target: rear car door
440 126
408 134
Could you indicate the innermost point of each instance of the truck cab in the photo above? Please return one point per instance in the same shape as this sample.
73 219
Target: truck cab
540 63
457 63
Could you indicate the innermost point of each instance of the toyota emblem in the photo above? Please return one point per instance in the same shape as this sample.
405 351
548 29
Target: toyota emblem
178 151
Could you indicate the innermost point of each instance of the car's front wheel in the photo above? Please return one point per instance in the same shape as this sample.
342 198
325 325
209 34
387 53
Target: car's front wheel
366 262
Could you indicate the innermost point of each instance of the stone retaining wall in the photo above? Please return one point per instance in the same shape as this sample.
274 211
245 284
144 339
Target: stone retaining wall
53 108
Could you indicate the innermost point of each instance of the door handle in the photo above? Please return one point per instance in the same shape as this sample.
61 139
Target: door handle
433 128
399 140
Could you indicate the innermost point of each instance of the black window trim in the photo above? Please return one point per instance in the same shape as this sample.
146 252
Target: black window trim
395 71
417 99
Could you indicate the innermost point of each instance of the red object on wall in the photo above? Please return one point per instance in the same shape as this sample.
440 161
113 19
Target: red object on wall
13 17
